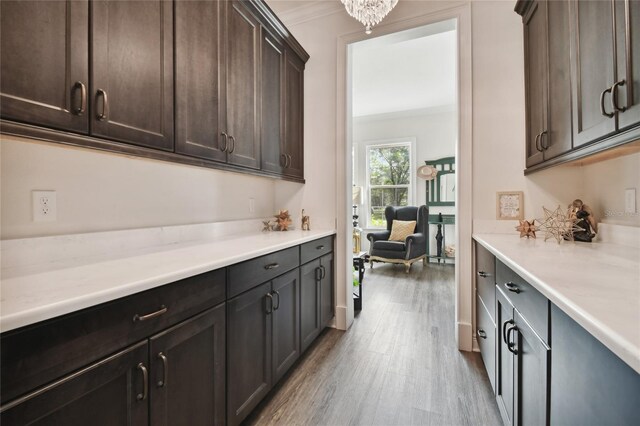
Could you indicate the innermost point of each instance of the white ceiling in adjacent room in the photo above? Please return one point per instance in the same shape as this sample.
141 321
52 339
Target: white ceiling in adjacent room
405 71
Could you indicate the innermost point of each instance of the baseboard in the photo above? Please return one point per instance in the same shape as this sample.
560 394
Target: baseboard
465 336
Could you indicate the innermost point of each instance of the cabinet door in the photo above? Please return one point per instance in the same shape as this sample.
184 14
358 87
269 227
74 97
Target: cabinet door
294 115
109 392
132 73
326 290
505 360
248 351
594 71
535 40
199 70
532 375
243 55
486 339
310 325
286 322
628 55
272 102
187 378
559 138
44 63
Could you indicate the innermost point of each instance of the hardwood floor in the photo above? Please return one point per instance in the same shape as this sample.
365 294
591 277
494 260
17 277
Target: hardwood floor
397 365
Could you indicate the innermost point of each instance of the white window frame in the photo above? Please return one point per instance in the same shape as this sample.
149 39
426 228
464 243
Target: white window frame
390 143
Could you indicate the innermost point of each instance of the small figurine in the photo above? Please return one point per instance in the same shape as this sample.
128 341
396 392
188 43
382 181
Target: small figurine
267 226
585 219
283 220
306 224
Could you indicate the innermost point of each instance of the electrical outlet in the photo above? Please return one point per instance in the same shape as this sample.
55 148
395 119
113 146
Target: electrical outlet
44 206
252 205
630 200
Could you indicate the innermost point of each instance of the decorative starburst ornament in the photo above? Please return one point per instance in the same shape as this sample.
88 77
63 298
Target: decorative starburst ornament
527 228
283 220
558 224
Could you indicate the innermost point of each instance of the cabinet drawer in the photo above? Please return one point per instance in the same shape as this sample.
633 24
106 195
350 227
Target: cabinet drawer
533 306
246 275
38 354
314 249
487 340
486 278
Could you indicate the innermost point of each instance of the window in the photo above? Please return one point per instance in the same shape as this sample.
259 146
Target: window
389 179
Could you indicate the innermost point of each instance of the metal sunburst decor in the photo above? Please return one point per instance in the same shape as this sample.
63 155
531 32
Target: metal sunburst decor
557 224
527 228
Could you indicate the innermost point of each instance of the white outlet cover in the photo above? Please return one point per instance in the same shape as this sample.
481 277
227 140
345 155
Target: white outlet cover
630 200
45 206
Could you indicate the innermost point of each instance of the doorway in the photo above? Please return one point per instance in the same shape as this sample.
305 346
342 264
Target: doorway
456 22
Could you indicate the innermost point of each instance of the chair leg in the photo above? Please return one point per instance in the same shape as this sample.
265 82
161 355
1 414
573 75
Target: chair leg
370 263
407 266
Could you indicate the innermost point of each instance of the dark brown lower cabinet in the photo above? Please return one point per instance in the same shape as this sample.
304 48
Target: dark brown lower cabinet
263 343
486 331
176 377
187 372
523 376
310 326
326 290
110 392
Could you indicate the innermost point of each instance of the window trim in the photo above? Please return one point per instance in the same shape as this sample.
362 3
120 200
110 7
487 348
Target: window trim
389 143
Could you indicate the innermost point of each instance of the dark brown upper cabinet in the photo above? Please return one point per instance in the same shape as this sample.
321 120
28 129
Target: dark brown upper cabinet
132 77
199 32
548 82
294 115
272 104
44 48
582 77
243 85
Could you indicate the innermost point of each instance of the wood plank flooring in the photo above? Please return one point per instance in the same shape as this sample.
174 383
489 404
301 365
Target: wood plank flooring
397 365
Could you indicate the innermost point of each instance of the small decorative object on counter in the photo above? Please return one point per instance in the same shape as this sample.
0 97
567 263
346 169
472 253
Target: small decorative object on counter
558 225
306 224
527 228
586 220
283 219
267 225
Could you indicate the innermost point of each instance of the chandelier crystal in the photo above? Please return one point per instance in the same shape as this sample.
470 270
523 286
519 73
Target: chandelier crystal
369 12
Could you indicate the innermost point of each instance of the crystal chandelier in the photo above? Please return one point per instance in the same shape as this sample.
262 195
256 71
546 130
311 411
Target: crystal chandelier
369 12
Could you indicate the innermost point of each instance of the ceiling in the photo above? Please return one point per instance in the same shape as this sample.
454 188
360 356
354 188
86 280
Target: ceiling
405 71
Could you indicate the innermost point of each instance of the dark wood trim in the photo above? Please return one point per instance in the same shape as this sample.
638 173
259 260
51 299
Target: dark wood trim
631 136
522 6
66 138
277 25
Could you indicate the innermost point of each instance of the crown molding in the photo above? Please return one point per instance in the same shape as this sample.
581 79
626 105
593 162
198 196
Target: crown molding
310 11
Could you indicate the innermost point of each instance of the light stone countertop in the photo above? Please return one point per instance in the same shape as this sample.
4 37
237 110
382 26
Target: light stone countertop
30 294
596 284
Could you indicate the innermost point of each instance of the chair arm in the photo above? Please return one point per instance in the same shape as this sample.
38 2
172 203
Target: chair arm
416 245
377 236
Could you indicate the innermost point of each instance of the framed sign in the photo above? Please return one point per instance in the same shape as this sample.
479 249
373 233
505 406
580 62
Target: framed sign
510 205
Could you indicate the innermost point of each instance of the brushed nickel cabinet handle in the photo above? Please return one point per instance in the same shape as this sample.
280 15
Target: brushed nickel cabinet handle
483 274
105 105
324 272
270 297
145 380
289 157
512 287
614 96
165 369
163 309
318 273
233 144
511 345
226 142
320 247
537 142
602 110
83 97
272 266
283 160
275 293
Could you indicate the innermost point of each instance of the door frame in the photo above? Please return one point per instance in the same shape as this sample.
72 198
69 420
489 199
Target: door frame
463 266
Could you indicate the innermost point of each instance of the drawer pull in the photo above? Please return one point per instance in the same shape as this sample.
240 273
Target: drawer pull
483 274
320 247
165 369
272 266
482 334
512 287
163 309
145 383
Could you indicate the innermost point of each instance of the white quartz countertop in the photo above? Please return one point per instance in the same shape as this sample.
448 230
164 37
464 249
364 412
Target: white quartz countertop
36 293
596 284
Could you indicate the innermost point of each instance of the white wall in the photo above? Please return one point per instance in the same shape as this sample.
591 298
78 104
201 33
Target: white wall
99 191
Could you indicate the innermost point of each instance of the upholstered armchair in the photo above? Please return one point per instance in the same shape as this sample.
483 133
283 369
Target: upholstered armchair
414 246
